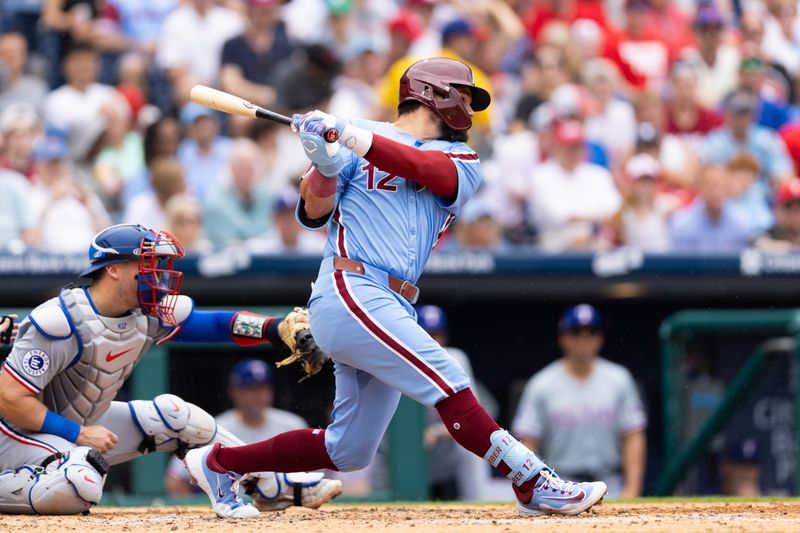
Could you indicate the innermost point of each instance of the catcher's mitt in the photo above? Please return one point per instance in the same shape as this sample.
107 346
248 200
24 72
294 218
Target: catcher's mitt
296 334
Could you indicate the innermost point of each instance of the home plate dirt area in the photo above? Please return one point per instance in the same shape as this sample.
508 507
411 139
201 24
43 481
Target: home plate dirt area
671 516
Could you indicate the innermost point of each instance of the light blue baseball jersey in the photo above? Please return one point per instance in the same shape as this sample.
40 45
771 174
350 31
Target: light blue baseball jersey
389 222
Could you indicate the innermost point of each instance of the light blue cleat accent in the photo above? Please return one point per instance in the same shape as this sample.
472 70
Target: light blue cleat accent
222 489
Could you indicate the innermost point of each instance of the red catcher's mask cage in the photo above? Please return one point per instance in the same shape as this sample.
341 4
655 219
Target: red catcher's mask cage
159 282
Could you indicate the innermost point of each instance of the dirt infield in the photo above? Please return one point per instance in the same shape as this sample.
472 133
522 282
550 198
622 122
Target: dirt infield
424 518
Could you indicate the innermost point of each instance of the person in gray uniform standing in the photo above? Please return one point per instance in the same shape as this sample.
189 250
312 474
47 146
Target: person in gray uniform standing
583 412
60 427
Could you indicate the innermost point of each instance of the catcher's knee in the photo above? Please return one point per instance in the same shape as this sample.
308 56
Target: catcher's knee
69 483
168 422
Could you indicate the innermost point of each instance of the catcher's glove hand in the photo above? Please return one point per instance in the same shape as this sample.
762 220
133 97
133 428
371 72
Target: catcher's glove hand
296 334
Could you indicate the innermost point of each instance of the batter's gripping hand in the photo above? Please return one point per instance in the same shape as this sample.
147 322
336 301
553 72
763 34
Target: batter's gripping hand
329 158
296 333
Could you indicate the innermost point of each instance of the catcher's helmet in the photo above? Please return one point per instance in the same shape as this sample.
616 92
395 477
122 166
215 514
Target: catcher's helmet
155 252
434 82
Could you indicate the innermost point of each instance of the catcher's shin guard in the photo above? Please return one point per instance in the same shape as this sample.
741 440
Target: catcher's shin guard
168 419
66 483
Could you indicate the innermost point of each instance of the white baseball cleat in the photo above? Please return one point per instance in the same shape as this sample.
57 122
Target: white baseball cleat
553 495
222 489
304 489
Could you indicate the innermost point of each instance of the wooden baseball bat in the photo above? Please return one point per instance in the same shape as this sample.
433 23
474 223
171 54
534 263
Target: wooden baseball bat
233 105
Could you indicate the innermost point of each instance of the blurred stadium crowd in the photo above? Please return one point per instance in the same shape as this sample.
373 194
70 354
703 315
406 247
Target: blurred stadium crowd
670 126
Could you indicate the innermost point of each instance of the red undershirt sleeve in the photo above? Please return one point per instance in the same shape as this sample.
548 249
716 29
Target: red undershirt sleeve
430 168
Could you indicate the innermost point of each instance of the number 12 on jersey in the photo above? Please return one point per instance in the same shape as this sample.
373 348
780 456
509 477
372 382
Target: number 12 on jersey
384 183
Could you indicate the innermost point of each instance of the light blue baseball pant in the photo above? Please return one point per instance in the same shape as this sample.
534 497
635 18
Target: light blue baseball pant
380 352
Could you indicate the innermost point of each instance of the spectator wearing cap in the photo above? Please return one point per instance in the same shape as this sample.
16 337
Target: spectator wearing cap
643 220
251 60
784 236
167 179
639 50
569 198
285 235
252 418
741 135
740 468
17 87
716 63
406 28
190 43
68 214
745 192
241 209
81 97
354 90
583 412
460 42
204 153
19 126
773 112
185 222
711 224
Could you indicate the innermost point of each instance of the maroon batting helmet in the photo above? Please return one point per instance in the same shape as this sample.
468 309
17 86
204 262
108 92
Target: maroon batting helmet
426 79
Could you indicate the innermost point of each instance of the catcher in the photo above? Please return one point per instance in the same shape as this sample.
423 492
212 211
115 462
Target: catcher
60 429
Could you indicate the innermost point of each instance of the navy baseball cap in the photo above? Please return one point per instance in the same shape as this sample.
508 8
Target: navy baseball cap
580 316
432 318
743 451
457 27
287 200
52 146
249 373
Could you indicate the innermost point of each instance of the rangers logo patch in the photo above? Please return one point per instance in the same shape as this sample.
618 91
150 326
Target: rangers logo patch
36 362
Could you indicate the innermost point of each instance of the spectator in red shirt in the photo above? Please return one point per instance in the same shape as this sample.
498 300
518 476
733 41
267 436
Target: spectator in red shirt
567 11
671 22
641 54
685 115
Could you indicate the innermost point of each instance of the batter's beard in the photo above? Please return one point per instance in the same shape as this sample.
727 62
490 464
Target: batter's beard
449 134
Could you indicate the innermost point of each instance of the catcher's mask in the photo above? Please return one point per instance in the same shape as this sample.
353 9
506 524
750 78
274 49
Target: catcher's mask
159 283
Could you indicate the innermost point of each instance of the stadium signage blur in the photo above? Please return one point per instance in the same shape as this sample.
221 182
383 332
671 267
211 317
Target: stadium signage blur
755 263
607 264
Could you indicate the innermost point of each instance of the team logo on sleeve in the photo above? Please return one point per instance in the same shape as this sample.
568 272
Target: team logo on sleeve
36 362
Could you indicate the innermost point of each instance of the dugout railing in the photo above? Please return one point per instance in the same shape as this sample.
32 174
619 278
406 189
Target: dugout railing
780 332
405 461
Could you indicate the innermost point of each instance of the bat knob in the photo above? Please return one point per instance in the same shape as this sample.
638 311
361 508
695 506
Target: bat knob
331 135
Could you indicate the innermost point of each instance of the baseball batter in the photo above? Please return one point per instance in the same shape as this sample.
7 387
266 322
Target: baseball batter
386 193
59 426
